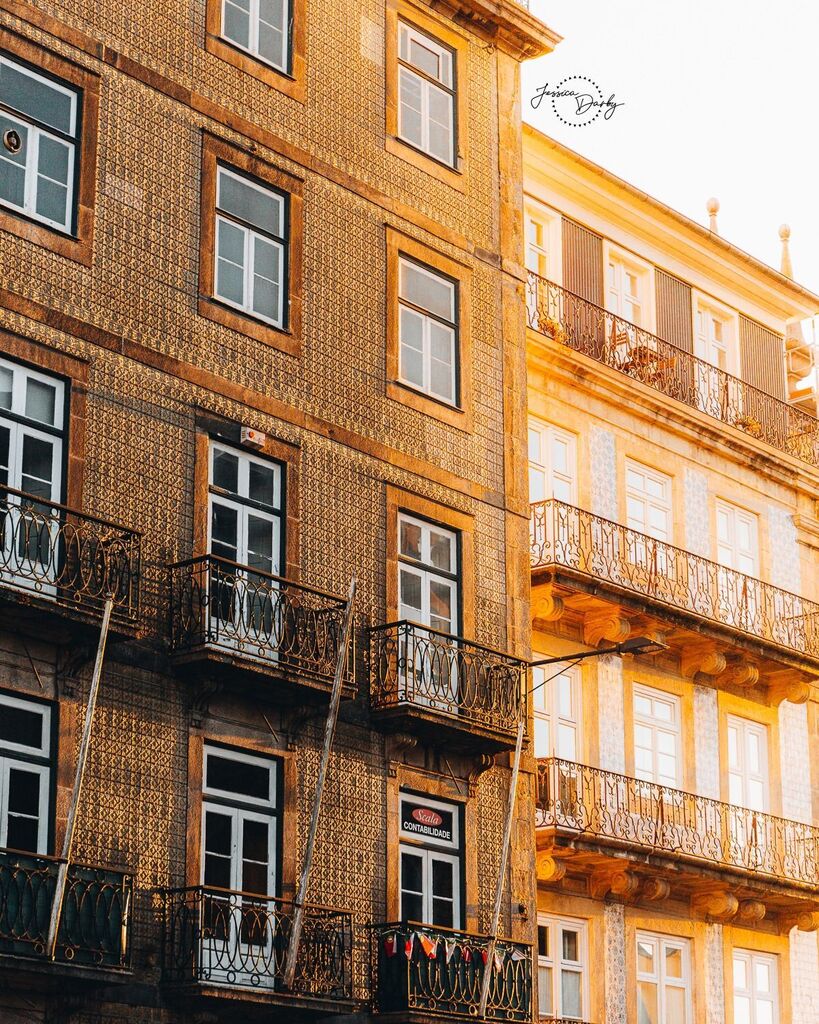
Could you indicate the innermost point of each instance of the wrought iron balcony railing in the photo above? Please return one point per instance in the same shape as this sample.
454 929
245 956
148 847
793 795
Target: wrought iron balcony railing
94 926
73 559
220 604
633 351
565 537
631 813
218 937
439 972
415 666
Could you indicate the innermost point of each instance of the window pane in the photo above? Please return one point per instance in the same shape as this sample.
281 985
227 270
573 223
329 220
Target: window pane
36 97
218 833
230 251
762 976
410 124
17 725
440 606
740 974
441 553
255 206
410 596
427 290
12 165
442 879
570 985
411 872
440 124
542 737
442 913
225 471
38 457
255 840
262 484
742 1010
764 1012
674 1005
570 945
224 531
271 31
236 24
673 962
410 540
40 401
238 777
260 544
645 957
5 438
6 377
647 1003
412 358
424 58
217 871
22 833
543 940
24 792
544 989
266 278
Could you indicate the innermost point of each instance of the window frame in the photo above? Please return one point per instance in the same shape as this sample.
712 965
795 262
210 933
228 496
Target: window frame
430 849
458 414
646 273
702 303
751 956
76 242
556 924
548 433
428 317
291 80
547 696
552 223
217 153
426 571
660 979
38 760
654 724
428 83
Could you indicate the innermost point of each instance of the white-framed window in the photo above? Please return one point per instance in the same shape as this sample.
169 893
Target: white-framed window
756 987
260 28
25 774
716 334
430 862
426 94
629 287
563 967
427 330
251 247
427 573
737 538
557 710
648 501
663 980
32 423
552 462
39 126
542 227
657 739
748 769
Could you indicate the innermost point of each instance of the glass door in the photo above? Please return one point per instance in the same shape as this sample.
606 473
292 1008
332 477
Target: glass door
738 549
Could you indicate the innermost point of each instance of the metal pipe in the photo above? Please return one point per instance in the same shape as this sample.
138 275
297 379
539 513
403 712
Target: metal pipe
507 837
68 840
329 732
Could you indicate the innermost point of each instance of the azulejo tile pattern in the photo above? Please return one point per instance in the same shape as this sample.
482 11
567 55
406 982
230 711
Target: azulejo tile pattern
612 713
614 920
603 473
697 531
706 741
714 975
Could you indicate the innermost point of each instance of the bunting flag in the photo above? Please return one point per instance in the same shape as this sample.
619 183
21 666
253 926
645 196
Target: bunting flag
518 954
450 945
498 961
391 944
428 944
408 944
484 955
466 955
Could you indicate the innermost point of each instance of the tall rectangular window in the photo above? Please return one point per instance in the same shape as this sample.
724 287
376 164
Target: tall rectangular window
25 752
426 88
663 980
251 247
552 462
562 947
557 711
39 139
260 28
657 740
748 784
427 574
428 331
756 988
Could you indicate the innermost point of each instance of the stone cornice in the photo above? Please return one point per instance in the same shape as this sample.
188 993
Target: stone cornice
512 27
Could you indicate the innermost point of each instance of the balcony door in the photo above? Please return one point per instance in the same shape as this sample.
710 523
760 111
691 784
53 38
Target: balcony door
738 550
25 774
563 968
750 835
31 459
649 515
756 988
245 521
552 463
430 862
239 927
557 711
428 596
715 344
657 760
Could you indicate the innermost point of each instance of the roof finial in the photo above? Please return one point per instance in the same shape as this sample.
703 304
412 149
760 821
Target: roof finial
713 209
785 265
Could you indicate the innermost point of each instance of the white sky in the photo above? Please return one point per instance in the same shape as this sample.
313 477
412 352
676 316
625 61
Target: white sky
721 99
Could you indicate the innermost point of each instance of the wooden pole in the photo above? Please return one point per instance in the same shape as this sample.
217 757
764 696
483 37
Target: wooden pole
507 838
329 732
68 841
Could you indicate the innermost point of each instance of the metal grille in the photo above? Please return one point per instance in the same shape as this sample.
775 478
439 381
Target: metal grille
567 537
633 351
592 802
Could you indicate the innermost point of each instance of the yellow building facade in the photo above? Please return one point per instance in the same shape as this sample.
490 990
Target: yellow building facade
674 487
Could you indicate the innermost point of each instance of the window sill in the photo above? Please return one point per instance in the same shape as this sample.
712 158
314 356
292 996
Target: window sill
291 85
285 341
454 415
418 158
78 248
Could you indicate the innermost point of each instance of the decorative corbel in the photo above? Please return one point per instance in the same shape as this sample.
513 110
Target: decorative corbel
795 691
481 766
396 746
718 905
751 911
622 885
547 606
807 921
655 889
704 658
612 627
202 693
740 673
549 868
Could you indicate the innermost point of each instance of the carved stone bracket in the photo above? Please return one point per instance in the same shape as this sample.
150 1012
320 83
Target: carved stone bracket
740 673
622 885
807 921
396 746
547 606
718 905
655 889
751 911
481 766
549 868
613 627
797 692
703 658
202 693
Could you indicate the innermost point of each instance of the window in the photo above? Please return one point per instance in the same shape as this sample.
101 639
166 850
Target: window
716 338
756 988
663 980
552 463
39 126
239 844
738 549
562 968
557 711
430 855
626 291
260 27
657 736
427 574
748 764
251 228
648 501
426 94
250 259
25 751
543 241
428 332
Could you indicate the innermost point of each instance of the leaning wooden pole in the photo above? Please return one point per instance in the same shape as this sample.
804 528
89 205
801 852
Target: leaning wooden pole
68 841
507 838
329 732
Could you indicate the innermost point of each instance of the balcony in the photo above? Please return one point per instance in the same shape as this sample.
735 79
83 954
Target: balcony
589 568
249 625
65 564
221 945
94 929
438 685
594 332
601 825
442 974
